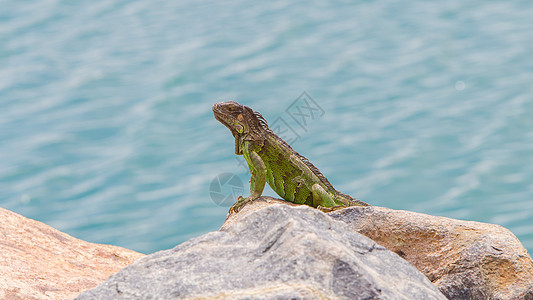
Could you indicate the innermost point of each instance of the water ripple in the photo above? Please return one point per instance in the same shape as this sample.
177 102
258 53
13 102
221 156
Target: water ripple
106 130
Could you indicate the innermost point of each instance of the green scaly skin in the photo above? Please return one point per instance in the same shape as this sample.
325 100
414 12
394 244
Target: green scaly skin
272 160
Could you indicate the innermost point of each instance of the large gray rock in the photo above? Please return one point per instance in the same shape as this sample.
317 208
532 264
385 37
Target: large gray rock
276 252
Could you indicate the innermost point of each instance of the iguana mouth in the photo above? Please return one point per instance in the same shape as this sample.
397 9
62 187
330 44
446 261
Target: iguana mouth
220 116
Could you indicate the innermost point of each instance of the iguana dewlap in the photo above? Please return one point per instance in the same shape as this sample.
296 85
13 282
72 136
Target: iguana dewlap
272 160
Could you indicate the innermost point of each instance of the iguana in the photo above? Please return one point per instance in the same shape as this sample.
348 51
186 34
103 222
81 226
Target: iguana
272 160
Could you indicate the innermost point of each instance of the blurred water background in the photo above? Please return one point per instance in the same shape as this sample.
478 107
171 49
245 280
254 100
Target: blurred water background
107 133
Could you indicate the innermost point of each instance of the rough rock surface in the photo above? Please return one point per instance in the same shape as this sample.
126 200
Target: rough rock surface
40 262
464 259
278 252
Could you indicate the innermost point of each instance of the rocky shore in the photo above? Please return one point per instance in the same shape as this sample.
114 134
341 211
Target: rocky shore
274 249
40 262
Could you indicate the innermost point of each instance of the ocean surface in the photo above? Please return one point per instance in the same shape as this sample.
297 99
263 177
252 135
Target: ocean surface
107 133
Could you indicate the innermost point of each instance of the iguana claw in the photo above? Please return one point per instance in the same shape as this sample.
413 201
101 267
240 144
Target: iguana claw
241 201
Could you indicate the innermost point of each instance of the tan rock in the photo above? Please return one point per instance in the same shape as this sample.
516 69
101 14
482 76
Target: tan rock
40 262
464 259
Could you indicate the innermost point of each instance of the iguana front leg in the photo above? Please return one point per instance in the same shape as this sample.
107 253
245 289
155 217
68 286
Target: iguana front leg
257 182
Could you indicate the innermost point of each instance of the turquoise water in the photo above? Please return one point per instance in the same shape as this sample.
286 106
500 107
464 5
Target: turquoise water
107 133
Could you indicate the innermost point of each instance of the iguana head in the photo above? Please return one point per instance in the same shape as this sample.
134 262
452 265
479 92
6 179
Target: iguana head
242 121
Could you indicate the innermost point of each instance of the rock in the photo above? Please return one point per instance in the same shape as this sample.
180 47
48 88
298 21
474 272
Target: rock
279 252
464 259
256 205
40 262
